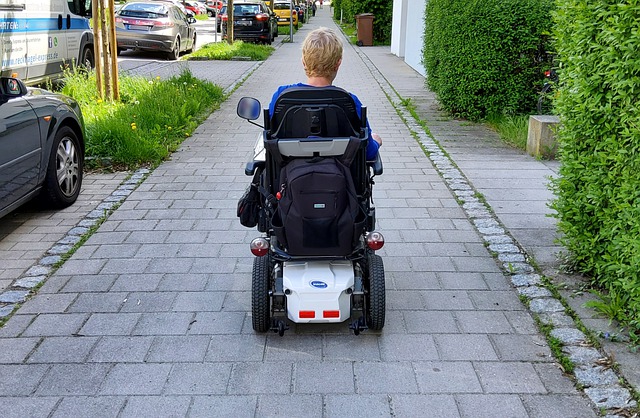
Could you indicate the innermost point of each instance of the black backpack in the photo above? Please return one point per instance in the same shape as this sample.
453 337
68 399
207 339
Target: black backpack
318 212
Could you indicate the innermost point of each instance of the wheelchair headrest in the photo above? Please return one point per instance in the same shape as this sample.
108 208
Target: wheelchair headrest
302 112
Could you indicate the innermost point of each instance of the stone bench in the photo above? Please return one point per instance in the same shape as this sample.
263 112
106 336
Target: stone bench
541 141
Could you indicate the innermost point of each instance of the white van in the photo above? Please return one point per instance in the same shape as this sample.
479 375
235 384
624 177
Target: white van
38 38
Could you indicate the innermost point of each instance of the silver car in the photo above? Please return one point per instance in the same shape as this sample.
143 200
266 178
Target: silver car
155 26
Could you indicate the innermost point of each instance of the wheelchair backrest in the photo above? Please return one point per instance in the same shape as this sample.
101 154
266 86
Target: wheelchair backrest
311 112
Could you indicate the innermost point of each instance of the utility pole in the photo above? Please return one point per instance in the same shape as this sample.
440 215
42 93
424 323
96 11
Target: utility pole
230 22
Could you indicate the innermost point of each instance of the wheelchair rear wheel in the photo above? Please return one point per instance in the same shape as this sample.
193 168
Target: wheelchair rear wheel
260 306
376 301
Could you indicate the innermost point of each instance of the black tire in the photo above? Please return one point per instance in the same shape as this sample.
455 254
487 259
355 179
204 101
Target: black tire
376 300
63 179
87 59
175 52
210 13
260 286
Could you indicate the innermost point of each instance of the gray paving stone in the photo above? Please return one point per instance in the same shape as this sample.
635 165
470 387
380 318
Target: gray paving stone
441 406
199 301
120 349
496 300
554 379
465 347
164 323
98 302
52 325
241 406
210 323
148 302
308 406
20 407
15 350
92 406
510 377
337 348
6 310
545 305
483 322
29 282
303 348
63 350
178 349
569 336
311 377
396 377
16 325
531 348
589 376
49 303
156 406
413 347
557 406
110 324
246 348
13 296
135 379
490 406
611 398
534 292
73 379
198 379
582 355
83 284
136 282
261 378
446 377
557 319
357 405
447 300
430 322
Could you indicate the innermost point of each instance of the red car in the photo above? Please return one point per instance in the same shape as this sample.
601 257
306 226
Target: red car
191 7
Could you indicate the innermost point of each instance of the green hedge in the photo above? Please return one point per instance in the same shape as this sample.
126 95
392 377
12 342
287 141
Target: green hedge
382 10
598 193
486 56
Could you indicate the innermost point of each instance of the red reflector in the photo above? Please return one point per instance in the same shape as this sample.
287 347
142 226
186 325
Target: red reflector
331 314
259 247
375 240
307 314
262 16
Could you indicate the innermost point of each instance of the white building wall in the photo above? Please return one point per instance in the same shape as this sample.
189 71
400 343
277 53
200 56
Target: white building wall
407 32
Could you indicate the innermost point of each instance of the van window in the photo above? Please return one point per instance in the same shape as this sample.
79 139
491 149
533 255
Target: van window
80 7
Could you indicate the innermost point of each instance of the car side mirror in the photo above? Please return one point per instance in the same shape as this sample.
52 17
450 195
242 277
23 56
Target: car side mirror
191 19
12 87
249 108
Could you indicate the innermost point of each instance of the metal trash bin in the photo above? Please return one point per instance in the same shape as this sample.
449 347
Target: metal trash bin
364 29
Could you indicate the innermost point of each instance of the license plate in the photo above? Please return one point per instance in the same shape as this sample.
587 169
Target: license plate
282 20
139 27
244 22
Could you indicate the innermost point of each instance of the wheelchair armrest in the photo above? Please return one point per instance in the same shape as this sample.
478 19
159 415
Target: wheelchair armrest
252 166
376 165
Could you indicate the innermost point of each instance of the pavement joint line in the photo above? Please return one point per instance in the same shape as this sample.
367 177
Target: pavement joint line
604 393
54 257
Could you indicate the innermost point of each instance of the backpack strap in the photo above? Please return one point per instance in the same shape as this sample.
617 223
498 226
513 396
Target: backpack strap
350 153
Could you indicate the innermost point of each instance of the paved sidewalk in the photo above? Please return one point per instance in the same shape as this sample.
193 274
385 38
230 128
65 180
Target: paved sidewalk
151 316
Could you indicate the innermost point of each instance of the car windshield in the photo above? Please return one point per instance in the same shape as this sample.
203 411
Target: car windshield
281 6
144 10
246 9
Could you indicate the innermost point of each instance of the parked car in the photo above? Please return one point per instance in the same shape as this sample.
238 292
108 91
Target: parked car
41 146
155 26
180 5
208 7
253 21
283 10
193 7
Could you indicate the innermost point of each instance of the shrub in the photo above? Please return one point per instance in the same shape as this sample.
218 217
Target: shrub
382 10
598 193
486 56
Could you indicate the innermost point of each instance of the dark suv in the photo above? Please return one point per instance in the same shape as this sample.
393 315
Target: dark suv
253 21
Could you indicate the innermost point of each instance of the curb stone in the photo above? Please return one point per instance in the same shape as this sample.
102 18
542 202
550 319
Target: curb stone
611 395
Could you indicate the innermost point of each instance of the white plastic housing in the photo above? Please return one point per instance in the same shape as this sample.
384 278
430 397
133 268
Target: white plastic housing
318 286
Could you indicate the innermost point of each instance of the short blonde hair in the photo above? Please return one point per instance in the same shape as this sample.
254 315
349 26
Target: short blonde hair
321 53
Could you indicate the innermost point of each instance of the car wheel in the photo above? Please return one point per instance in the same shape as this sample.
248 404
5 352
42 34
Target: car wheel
175 52
210 13
64 173
87 60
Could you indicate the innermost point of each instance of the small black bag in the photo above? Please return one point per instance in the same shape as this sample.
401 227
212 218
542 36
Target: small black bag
250 204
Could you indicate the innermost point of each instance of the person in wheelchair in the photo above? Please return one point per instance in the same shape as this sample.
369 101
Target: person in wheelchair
321 59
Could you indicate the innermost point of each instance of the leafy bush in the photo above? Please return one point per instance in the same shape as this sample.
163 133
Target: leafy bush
382 10
151 120
486 56
598 193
